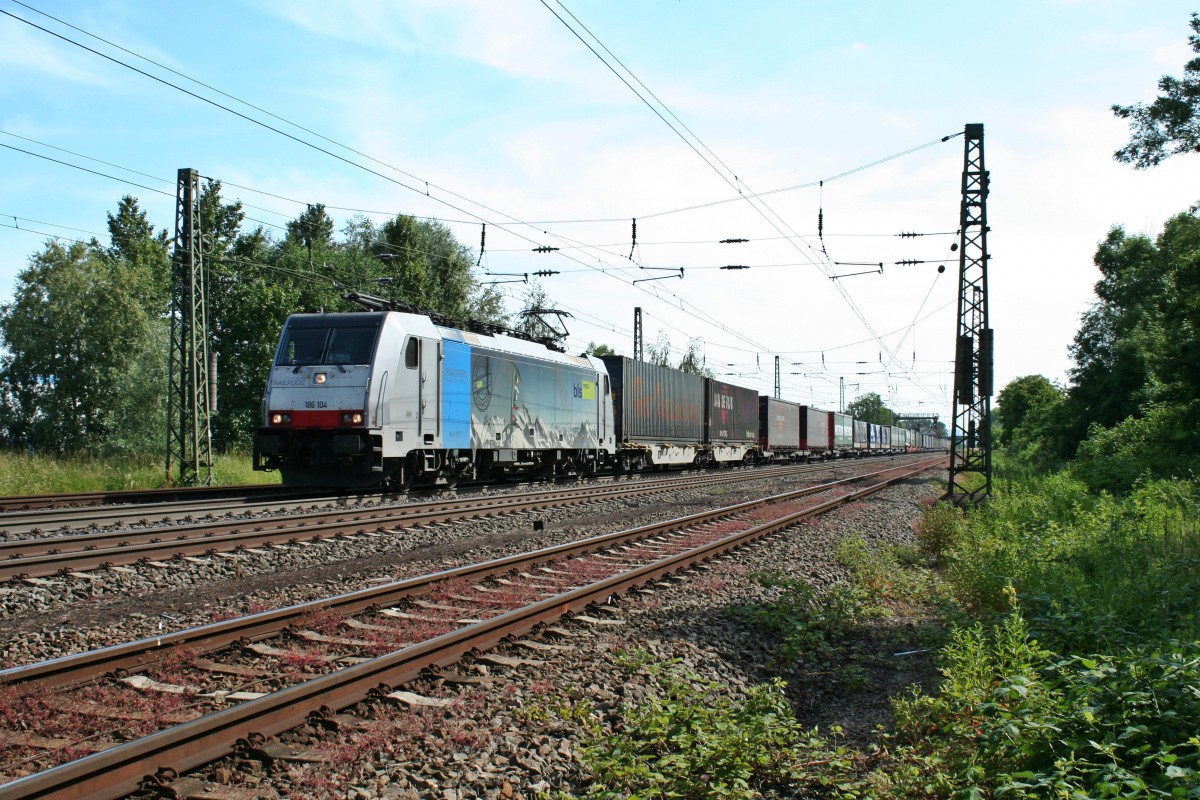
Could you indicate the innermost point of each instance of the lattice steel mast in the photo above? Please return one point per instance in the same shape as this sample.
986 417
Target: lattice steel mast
638 354
970 435
189 429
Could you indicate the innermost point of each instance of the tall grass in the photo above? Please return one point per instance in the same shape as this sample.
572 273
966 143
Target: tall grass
1093 571
1081 677
39 474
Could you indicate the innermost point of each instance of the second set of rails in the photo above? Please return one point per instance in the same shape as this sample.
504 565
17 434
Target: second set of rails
25 553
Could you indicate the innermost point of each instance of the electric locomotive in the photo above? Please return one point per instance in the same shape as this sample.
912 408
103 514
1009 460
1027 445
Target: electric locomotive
388 397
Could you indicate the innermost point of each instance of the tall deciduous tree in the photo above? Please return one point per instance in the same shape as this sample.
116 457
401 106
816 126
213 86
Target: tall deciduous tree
1027 410
1171 124
659 351
598 350
72 332
693 360
430 268
870 407
312 228
1021 401
1120 337
145 252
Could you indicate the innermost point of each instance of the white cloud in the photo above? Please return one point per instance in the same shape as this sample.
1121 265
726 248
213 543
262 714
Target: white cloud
27 52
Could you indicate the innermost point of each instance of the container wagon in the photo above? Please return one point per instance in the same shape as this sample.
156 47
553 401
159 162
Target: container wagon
730 423
658 414
841 432
862 440
816 432
780 431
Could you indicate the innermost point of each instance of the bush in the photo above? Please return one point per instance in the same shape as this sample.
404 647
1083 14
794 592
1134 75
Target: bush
1021 722
690 740
1097 573
938 529
1162 443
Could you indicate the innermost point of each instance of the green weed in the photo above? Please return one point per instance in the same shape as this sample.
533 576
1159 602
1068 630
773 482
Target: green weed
690 740
21 473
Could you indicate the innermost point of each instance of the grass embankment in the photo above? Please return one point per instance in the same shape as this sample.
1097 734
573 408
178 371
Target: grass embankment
1071 665
22 474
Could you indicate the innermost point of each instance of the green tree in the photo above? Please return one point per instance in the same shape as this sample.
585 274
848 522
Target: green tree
1171 124
1136 355
145 252
1023 406
430 269
1120 338
1030 417
659 351
692 361
530 321
138 415
598 350
312 228
1175 355
72 333
870 407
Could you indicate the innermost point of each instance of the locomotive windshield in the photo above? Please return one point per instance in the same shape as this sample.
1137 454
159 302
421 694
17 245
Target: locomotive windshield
311 345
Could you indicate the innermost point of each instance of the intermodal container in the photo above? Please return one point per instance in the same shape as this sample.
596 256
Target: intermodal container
816 429
730 412
841 430
654 404
879 436
780 424
862 439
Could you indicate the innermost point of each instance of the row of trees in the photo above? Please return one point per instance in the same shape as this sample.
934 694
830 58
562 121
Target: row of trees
86 335
1131 406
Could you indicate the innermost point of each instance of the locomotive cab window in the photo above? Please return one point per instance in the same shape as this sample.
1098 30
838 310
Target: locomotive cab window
410 352
303 347
351 345
324 344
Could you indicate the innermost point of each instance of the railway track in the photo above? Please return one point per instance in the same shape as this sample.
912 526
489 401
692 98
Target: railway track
53 512
461 610
44 557
30 502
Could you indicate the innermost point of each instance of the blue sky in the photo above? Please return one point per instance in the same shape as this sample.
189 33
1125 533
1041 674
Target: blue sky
510 118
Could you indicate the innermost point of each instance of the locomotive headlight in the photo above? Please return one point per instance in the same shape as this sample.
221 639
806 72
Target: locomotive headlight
352 418
279 418
319 378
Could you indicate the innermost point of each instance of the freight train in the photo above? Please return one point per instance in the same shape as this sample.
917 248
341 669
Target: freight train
393 398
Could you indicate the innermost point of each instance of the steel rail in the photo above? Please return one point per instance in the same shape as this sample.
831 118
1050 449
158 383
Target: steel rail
65 500
120 770
19 521
38 520
334 507
130 657
45 557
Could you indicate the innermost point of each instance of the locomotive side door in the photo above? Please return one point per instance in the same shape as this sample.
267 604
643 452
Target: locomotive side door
430 399
602 399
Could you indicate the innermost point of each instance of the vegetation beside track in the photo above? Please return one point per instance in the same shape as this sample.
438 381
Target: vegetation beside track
1068 650
22 474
